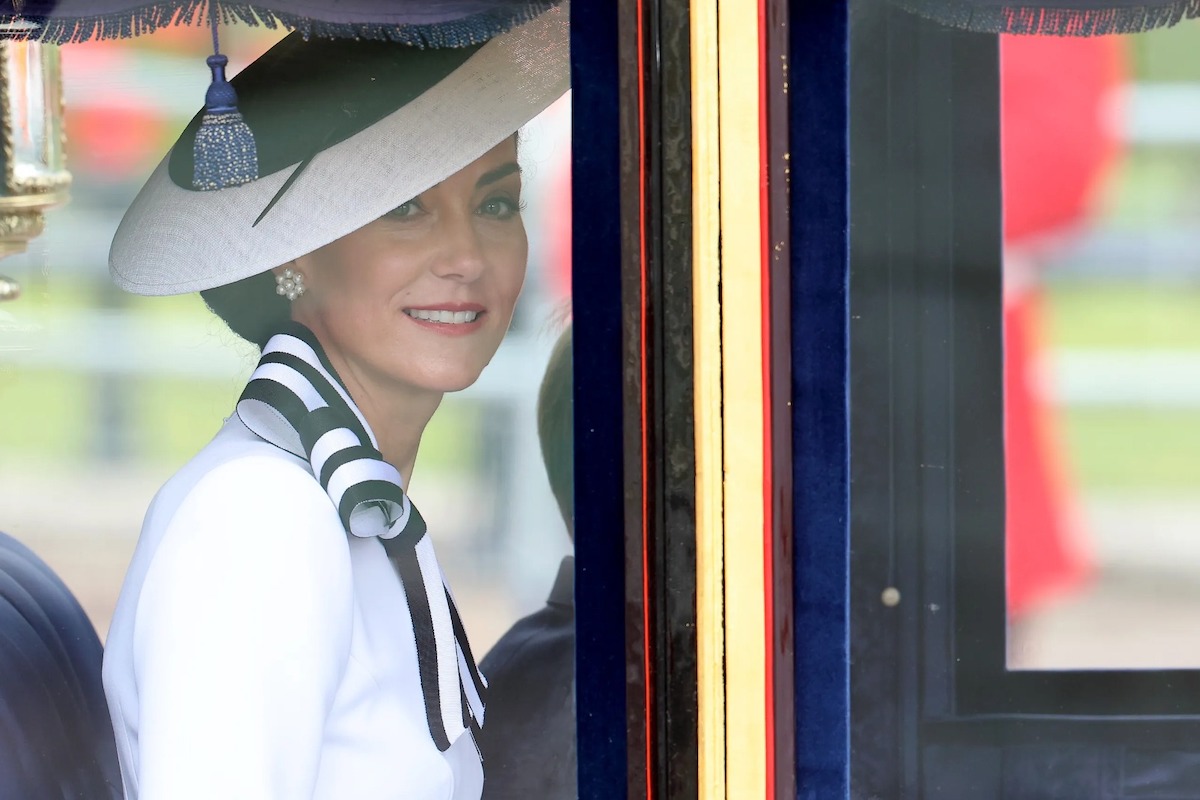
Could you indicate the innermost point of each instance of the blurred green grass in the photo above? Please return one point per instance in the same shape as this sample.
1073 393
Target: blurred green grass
1143 450
1133 450
1122 315
1166 54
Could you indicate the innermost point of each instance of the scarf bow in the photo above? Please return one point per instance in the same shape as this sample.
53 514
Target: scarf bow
295 401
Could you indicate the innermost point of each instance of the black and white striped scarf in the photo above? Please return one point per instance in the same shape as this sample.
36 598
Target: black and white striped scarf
295 401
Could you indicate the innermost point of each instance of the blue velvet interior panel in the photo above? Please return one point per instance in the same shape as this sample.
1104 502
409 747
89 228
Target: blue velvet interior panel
820 380
599 492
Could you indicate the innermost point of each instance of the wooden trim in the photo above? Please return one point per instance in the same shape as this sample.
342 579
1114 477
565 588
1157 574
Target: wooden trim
647 429
777 390
638 654
660 456
672 384
743 424
706 317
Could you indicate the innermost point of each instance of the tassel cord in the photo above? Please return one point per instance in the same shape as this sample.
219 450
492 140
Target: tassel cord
214 23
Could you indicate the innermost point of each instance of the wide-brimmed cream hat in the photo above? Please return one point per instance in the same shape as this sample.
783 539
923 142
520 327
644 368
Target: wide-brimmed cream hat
357 127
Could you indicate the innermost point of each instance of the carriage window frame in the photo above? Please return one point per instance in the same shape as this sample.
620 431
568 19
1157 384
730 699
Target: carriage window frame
927 414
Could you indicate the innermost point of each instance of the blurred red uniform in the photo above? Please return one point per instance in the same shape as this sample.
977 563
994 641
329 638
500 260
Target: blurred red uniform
1058 142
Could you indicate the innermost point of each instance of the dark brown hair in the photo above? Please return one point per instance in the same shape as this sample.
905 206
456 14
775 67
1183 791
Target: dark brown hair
250 307
556 427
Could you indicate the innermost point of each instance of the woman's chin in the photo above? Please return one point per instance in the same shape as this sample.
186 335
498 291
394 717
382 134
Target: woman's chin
448 383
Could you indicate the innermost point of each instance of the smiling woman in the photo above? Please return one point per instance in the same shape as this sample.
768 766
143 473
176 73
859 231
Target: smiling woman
284 615
419 300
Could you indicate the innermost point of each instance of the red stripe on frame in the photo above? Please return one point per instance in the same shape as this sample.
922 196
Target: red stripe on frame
768 472
646 626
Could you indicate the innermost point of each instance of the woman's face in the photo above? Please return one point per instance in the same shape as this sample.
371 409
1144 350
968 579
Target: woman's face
422 296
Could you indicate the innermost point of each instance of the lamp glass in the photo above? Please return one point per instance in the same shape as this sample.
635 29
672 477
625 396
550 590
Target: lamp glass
34 102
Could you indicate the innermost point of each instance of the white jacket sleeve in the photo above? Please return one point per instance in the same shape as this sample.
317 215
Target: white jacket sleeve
241 637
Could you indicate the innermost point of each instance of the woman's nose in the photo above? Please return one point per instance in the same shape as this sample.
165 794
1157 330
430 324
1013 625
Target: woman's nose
461 255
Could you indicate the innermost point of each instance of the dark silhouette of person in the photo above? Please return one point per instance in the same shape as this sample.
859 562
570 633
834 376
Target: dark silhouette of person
56 737
528 739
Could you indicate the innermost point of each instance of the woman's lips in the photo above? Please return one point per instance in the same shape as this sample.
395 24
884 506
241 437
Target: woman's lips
451 319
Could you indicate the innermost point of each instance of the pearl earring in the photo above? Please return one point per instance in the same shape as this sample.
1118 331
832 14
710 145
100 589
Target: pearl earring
290 284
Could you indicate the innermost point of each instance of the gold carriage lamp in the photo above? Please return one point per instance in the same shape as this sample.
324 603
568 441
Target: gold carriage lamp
32 138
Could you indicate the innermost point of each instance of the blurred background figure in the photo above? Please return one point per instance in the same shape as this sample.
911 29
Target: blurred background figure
528 740
1057 149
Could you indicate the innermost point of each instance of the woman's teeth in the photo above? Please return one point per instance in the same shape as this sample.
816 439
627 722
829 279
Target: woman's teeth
445 317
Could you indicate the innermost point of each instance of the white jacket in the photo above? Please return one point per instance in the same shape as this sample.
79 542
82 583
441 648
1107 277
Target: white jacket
260 651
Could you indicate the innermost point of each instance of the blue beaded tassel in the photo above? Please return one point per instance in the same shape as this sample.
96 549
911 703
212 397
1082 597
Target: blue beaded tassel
224 153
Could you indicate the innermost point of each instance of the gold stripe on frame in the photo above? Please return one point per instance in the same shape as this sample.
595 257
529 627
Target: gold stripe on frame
742 379
706 320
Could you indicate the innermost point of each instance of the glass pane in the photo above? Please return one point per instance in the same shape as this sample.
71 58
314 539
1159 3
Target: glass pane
107 394
1102 348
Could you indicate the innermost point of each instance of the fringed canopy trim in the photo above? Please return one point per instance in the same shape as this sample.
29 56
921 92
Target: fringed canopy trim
469 29
1052 19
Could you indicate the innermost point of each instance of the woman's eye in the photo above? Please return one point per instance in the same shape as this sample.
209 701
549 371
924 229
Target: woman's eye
404 210
500 208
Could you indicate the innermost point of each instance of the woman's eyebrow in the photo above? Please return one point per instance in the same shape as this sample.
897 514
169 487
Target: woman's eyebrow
497 174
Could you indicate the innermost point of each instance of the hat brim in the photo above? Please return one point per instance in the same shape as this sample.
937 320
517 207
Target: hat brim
175 241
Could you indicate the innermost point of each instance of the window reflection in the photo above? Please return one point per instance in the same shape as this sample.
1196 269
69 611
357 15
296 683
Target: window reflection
1102 349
